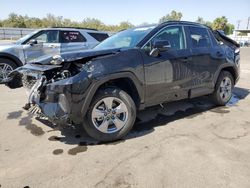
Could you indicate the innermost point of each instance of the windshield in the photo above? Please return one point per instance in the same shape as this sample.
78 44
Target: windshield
24 38
125 39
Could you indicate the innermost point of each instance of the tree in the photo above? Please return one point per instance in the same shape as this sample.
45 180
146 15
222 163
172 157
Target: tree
229 29
202 21
14 20
52 21
92 23
221 23
173 16
33 22
1 24
125 25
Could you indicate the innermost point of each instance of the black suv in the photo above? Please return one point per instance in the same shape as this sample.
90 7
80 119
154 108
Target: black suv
104 88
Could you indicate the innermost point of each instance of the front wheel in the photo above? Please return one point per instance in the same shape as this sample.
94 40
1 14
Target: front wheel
111 115
223 89
6 66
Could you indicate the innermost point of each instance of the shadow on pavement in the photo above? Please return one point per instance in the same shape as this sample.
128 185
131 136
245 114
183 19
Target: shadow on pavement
146 122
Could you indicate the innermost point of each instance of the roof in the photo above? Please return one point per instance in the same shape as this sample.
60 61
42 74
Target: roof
72 29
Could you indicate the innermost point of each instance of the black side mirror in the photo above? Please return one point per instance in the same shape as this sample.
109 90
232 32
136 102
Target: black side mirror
32 42
159 46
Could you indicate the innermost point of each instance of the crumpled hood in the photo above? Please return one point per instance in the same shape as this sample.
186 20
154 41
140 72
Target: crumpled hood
73 56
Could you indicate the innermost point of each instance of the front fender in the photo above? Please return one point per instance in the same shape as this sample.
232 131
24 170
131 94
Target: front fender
100 81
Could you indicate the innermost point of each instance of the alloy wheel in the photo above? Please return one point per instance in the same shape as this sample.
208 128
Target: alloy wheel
226 89
109 115
5 70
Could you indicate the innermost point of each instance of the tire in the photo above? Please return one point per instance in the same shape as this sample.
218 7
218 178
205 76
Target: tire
223 89
110 126
8 66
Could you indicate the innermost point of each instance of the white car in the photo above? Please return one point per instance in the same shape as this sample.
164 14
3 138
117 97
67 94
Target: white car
46 42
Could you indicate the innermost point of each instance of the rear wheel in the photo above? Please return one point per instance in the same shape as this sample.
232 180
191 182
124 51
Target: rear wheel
111 115
223 88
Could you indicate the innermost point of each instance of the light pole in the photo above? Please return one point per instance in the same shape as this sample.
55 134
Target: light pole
248 20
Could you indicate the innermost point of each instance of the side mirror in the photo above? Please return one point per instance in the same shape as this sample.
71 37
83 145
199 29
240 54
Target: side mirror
159 46
32 42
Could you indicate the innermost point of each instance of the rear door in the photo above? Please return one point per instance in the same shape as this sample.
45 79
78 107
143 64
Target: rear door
72 41
203 63
47 45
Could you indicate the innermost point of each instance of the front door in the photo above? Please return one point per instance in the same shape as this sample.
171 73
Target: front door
47 45
168 76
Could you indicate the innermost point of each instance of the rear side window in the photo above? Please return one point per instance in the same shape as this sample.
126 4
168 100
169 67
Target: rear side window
199 37
71 36
99 36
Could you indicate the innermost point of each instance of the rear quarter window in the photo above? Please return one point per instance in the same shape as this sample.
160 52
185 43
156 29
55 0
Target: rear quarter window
99 36
71 36
199 37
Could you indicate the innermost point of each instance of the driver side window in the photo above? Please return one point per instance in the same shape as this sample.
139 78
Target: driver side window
174 35
47 37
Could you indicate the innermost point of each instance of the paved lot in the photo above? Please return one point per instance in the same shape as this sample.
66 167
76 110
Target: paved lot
187 144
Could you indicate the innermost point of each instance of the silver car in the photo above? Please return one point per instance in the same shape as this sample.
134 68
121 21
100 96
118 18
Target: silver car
46 42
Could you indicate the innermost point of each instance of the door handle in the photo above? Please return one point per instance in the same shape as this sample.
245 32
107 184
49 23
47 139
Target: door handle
52 46
219 54
186 59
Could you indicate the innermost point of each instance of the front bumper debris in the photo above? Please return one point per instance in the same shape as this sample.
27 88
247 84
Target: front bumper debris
56 111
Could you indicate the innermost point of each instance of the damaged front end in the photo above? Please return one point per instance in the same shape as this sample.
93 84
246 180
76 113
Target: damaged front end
57 90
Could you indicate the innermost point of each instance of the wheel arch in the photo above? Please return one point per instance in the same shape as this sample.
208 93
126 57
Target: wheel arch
231 69
13 58
130 84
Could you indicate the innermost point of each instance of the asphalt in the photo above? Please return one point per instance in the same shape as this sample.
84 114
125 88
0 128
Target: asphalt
190 143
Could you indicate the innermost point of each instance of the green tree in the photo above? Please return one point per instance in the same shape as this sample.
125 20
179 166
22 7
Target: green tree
221 23
125 25
173 16
229 29
92 23
14 20
202 21
33 22
1 23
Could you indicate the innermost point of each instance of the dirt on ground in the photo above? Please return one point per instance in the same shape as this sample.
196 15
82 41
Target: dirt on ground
189 143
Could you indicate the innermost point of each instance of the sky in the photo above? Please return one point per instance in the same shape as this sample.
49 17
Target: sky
134 11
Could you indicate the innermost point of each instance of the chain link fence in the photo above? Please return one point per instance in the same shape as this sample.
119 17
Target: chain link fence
13 33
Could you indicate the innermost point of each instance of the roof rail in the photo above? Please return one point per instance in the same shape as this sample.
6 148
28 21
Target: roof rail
182 22
77 28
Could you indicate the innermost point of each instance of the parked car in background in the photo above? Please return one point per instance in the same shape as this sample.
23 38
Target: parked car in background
244 43
46 42
104 88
